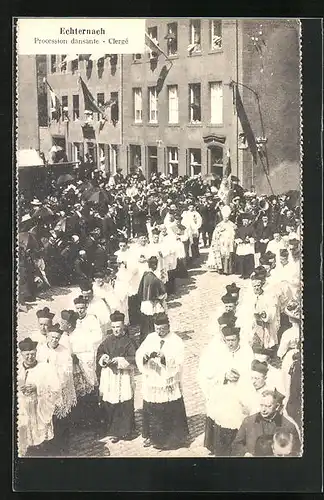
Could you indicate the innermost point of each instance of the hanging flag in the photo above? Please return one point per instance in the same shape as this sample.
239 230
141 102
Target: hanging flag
90 103
55 101
153 46
245 123
161 79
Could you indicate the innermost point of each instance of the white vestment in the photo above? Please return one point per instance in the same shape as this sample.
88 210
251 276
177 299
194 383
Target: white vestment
35 411
161 383
61 361
223 398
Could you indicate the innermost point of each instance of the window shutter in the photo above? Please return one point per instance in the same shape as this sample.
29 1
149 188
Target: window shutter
69 151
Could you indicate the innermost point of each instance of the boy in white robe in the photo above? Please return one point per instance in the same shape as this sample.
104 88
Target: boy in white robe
223 373
96 306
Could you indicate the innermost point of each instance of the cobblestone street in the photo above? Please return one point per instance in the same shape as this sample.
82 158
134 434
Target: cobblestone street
189 313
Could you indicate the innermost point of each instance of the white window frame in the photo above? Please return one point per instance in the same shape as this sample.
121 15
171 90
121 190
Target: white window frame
153 105
194 46
192 160
192 100
113 158
172 30
173 159
76 150
215 34
216 103
138 104
173 104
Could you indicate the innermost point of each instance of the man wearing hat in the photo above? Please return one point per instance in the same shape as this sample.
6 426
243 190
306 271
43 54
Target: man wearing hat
160 359
245 239
266 422
96 306
251 397
85 340
221 253
264 233
45 321
115 362
223 374
192 220
226 319
38 392
152 296
276 244
60 360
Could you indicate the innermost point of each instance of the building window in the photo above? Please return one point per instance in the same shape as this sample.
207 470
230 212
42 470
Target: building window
173 103
65 107
42 90
113 158
172 39
194 36
194 162
137 100
216 103
63 63
215 34
152 160
194 103
75 65
100 102
137 57
92 152
217 160
153 34
173 162
76 107
102 157
152 105
76 151
53 64
135 156
114 108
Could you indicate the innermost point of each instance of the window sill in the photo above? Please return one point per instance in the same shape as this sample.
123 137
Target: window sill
216 51
173 56
173 125
153 124
195 54
138 124
195 124
137 61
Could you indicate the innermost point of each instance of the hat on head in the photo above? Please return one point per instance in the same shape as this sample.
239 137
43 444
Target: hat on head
294 242
56 328
228 299
156 231
230 330
161 319
259 366
36 202
293 309
85 286
80 300
99 274
233 289
227 318
45 313
225 211
259 273
27 344
257 349
117 316
68 315
234 178
283 252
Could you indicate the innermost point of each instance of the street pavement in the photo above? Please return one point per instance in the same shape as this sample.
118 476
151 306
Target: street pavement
189 310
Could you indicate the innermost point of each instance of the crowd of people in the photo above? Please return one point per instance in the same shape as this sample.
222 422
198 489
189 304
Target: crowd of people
124 241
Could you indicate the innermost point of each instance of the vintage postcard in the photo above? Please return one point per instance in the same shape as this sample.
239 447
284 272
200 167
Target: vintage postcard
159 238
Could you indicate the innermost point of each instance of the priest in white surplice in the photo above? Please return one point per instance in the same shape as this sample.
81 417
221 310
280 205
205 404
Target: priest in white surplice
38 392
160 359
224 369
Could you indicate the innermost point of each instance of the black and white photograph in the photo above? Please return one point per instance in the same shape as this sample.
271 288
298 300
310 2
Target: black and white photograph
159 242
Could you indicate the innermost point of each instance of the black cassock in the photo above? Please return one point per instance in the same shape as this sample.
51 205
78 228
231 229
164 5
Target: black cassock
119 417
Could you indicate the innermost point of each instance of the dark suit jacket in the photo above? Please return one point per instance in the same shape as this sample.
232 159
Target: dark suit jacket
254 426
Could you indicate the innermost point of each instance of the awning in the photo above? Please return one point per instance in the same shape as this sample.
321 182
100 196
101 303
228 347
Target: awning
29 158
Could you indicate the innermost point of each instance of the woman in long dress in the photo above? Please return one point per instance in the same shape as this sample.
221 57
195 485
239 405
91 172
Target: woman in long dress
221 253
